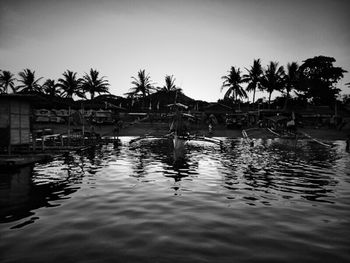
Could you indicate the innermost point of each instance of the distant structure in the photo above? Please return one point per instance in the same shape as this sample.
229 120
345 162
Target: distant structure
15 113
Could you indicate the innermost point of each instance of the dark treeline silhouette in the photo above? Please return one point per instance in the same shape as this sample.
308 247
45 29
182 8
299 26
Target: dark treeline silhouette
314 81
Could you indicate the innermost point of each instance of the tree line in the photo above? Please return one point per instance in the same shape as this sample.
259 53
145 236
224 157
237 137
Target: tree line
65 87
70 85
314 81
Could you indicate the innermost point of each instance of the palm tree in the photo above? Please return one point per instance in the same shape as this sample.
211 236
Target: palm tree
170 84
254 77
92 83
273 78
233 82
7 80
142 84
29 83
169 90
71 85
291 79
51 88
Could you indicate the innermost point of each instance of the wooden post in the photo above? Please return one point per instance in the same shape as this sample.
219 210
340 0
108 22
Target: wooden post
43 143
68 126
83 128
34 142
9 150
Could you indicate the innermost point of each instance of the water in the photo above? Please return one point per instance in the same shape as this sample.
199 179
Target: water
132 203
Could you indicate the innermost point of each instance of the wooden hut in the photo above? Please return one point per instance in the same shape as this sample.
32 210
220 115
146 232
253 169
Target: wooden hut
15 113
218 110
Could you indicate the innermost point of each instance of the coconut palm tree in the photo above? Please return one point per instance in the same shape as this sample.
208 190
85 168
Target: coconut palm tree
92 83
169 91
7 80
254 77
51 88
170 84
142 84
29 83
233 82
70 85
291 79
272 79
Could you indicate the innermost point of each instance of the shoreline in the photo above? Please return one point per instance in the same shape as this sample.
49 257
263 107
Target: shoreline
161 129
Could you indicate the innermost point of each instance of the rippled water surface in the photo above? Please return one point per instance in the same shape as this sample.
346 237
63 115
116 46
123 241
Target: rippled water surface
273 202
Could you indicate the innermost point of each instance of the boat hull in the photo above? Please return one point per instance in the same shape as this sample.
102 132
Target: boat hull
179 147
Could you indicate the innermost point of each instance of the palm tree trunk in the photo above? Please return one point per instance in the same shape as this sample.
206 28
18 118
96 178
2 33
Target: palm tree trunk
286 101
270 99
143 101
254 95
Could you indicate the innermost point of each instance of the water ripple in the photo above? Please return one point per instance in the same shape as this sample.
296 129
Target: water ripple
138 203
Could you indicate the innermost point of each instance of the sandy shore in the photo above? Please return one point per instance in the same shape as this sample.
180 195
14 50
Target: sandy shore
160 129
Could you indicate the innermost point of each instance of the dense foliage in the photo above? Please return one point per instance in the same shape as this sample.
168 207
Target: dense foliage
314 81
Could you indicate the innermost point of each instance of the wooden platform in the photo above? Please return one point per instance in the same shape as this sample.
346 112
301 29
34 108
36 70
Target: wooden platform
12 161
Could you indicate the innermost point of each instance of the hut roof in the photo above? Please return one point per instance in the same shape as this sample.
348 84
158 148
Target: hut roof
277 118
217 107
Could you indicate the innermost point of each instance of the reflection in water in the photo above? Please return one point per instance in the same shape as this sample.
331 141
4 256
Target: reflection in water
136 203
160 152
20 195
27 188
270 167
277 171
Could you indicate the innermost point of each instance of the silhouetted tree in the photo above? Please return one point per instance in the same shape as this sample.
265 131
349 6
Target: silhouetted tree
7 80
92 83
254 77
170 84
319 79
142 84
71 85
51 88
29 83
272 79
169 91
291 79
233 81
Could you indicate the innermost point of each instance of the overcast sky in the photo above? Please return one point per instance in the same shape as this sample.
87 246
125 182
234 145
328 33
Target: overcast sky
196 41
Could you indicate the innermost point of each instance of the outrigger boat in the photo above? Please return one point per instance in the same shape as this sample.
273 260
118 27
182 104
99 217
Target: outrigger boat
179 127
180 131
287 137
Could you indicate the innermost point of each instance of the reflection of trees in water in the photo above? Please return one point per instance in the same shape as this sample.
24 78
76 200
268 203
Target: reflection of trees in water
274 167
303 150
94 158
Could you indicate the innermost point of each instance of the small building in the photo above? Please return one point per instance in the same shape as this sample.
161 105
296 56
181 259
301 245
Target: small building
218 110
15 114
103 117
42 115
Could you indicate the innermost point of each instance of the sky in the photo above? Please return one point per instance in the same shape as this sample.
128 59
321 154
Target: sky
196 41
